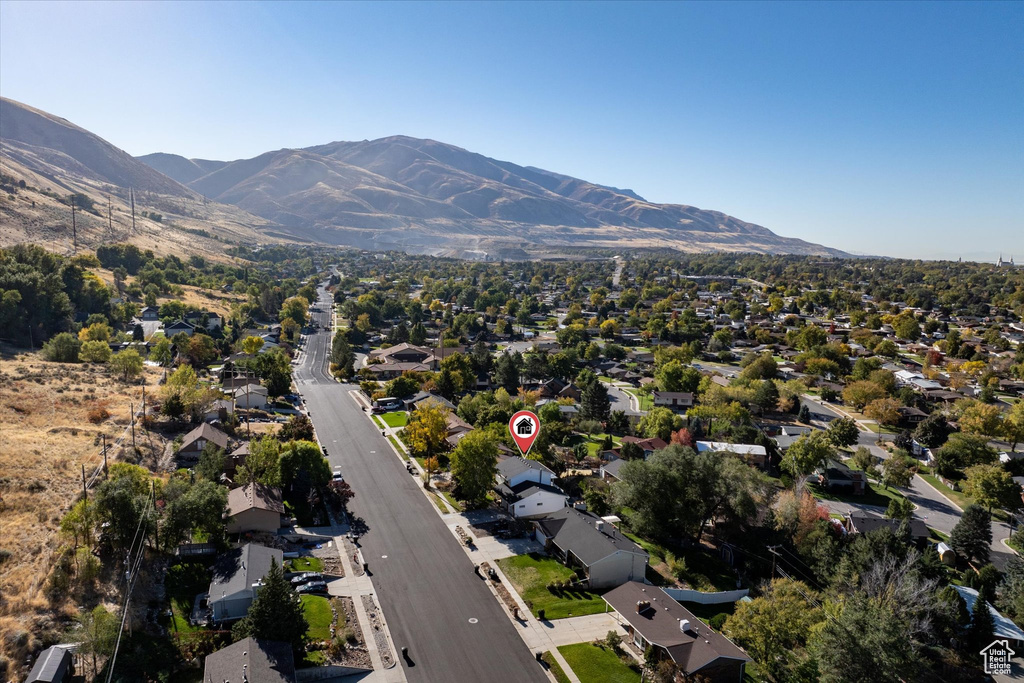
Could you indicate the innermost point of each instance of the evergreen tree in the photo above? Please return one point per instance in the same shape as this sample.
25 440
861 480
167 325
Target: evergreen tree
594 403
972 535
418 334
981 632
506 373
342 356
275 614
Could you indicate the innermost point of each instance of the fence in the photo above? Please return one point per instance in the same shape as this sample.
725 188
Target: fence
687 595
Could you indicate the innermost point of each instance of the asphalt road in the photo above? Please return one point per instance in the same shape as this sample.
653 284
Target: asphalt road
433 602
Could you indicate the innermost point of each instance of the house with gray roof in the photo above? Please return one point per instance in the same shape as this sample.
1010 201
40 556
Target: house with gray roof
237 575
54 665
528 499
580 539
652 618
514 471
251 661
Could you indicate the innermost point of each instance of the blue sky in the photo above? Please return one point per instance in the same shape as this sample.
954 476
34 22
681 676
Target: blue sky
893 129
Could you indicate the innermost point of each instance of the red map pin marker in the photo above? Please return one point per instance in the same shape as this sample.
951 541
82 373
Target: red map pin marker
524 427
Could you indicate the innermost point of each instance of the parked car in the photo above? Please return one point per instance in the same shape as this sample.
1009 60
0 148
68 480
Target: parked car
306 577
337 476
312 587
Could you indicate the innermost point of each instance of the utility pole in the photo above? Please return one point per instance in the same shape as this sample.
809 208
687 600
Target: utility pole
131 193
773 549
156 518
110 220
85 490
143 403
105 470
132 404
74 226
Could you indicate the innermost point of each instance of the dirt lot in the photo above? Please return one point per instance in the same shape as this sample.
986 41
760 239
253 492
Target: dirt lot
46 436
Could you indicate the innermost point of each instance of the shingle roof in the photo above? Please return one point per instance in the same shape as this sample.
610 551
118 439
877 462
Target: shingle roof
660 624
254 496
251 660
208 432
866 522
51 665
576 532
512 466
238 569
614 466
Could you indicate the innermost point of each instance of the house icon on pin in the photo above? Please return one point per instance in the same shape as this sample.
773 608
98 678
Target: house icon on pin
524 426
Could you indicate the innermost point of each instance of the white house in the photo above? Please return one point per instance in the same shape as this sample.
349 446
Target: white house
515 471
529 499
236 578
251 396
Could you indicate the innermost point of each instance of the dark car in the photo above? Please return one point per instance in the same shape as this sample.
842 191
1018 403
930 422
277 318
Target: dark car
312 587
306 577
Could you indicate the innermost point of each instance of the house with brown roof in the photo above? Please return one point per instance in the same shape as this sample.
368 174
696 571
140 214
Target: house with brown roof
254 507
193 443
652 618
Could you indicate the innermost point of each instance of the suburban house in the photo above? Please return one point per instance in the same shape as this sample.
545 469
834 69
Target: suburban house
251 396
1003 628
580 539
610 470
863 522
749 453
835 475
149 314
193 443
236 577
254 507
648 446
251 661
54 665
514 471
676 400
178 327
236 459
529 499
383 371
651 617
219 410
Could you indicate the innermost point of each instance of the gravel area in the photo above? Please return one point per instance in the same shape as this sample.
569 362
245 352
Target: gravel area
387 657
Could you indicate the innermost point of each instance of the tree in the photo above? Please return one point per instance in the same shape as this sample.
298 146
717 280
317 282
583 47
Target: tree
122 502
906 327
276 613
899 508
200 350
97 634
932 431
161 352
128 364
678 490
303 465
79 523
863 460
474 465
263 463
972 535
774 627
981 418
981 632
895 472
427 429
211 462
962 451
659 422
618 423
295 308
298 428
630 450
766 395
506 372
94 352
992 486
594 403
342 356
193 507
251 345
804 414
1013 424
885 411
843 432
62 348
762 366
859 394
807 453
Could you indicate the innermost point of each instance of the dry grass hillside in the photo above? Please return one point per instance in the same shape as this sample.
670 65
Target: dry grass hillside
52 417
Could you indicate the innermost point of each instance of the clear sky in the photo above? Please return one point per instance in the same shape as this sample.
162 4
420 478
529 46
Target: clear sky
880 128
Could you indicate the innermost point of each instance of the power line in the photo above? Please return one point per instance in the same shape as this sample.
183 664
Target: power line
130 578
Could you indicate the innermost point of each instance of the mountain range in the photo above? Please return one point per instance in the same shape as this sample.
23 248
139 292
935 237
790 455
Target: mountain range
396 192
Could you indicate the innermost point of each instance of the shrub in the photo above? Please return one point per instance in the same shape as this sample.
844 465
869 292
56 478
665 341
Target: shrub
97 414
718 621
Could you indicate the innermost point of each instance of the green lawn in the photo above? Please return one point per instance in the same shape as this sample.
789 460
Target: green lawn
451 501
876 494
305 564
437 501
555 667
377 421
395 419
183 582
318 614
396 444
531 574
593 664
646 400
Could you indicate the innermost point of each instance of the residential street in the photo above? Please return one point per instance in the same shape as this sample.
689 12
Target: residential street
433 602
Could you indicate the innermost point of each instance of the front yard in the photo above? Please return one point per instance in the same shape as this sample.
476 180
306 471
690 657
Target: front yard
317 610
397 419
593 664
530 576
304 564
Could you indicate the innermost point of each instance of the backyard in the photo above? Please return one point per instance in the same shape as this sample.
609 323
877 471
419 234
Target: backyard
695 567
531 574
593 664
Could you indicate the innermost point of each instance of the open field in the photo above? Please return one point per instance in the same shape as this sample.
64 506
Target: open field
45 439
